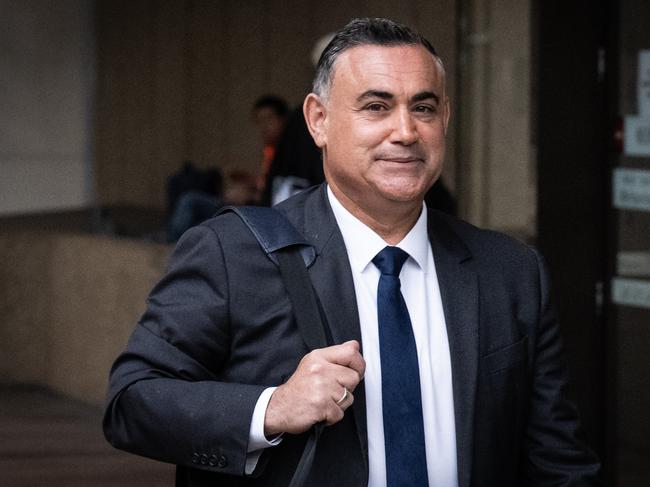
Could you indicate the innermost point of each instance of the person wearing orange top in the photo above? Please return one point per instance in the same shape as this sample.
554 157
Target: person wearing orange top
270 115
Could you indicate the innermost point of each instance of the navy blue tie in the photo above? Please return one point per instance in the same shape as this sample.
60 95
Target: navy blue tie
406 462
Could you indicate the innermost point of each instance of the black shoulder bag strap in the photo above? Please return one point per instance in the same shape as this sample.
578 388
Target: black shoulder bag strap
292 253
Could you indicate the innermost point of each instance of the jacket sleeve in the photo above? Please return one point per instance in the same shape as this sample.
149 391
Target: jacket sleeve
555 455
165 398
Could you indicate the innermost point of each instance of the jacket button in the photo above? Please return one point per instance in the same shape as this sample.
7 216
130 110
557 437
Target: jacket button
204 459
195 458
213 461
222 461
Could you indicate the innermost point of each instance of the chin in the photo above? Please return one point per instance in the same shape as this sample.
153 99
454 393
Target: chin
403 194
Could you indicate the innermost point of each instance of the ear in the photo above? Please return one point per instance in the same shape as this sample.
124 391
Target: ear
316 117
446 114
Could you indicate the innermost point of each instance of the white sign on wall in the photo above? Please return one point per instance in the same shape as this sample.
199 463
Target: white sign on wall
637 136
633 263
637 128
632 189
631 292
643 84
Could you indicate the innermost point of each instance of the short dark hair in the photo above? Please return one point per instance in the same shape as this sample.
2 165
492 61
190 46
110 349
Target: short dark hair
275 103
364 31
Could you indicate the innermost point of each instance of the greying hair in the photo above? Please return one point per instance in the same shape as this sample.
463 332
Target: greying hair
359 32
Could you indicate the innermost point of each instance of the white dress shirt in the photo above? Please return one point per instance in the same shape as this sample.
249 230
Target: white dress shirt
419 286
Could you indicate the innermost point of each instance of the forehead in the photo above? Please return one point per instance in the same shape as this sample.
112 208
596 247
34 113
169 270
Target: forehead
388 68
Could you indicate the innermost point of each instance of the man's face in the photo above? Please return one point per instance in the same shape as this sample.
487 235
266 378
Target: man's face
269 124
382 127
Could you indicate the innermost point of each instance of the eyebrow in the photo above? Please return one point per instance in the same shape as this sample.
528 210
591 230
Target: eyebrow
385 95
425 95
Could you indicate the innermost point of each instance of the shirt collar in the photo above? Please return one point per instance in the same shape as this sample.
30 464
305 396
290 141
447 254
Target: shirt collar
362 243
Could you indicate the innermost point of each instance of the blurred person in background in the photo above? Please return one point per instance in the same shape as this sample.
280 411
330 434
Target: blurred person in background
195 206
270 113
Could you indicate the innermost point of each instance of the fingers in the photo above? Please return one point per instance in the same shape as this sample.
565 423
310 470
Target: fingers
319 390
346 400
335 410
343 397
344 377
346 354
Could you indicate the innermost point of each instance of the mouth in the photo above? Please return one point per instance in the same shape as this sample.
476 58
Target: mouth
399 160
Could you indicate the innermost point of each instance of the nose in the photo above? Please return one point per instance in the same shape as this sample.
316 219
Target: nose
404 129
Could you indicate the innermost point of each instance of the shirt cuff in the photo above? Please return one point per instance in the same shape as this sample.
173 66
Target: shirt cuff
257 441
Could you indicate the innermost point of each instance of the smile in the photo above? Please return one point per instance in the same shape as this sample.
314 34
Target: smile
400 160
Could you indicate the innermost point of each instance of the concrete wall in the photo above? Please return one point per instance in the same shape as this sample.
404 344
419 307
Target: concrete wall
68 305
46 96
496 170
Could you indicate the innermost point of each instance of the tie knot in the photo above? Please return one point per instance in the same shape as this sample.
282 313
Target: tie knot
390 260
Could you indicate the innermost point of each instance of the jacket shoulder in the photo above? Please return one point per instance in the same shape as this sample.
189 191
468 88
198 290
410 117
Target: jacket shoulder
483 244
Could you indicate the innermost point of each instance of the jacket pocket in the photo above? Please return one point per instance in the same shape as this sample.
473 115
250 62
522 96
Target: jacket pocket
506 357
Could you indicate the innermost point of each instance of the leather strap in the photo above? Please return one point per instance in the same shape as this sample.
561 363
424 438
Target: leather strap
287 248
308 318
301 294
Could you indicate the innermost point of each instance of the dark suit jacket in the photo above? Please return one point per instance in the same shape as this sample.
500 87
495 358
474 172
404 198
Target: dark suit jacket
218 330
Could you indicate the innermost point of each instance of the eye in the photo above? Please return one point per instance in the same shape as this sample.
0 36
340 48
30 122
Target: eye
376 107
424 109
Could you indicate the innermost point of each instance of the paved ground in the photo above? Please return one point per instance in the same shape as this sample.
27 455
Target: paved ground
48 440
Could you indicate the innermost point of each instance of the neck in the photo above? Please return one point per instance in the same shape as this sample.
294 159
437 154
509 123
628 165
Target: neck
391 220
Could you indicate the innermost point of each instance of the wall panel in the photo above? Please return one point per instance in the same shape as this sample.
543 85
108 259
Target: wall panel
208 83
495 168
247 69
47 84
137 63
109 147
169 96
290 43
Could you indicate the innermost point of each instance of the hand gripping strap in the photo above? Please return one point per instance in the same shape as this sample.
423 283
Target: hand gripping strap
292 253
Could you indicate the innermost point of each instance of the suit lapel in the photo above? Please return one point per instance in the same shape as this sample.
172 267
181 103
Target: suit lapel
331 277
459 290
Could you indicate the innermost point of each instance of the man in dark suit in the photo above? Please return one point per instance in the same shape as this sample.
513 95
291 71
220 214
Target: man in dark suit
449 327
